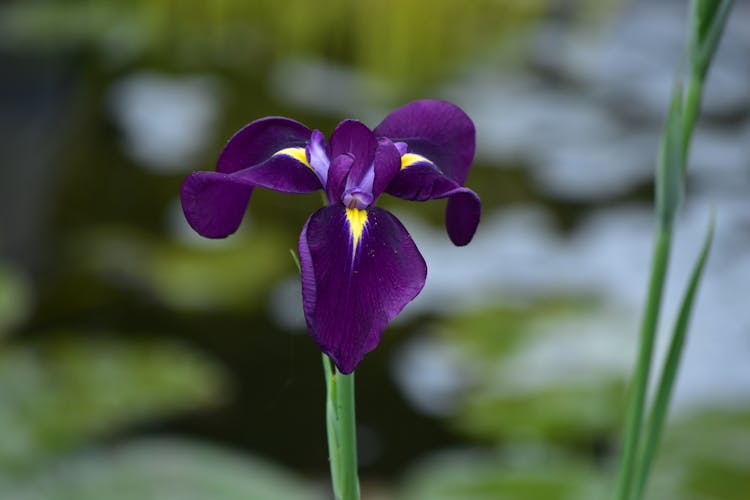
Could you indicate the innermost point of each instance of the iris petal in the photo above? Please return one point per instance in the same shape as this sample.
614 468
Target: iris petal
298 153
259 140
362 190
317 155
337 174
409 159
437 130
422 181
354 138
462 215
214 202
386 165
359 270
283 173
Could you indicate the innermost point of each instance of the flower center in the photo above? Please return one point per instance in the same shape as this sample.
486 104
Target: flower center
357 198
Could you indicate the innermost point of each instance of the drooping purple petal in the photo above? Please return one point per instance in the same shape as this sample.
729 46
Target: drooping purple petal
437 130
359 269
281 173
214 202
259 140
462 215
353 137
422 181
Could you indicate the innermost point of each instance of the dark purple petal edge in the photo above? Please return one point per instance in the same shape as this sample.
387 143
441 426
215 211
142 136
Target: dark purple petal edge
437 130
422 182
257 141
215 202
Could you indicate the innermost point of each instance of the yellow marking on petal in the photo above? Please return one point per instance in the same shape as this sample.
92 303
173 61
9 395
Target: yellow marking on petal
357 221
298 154
410 159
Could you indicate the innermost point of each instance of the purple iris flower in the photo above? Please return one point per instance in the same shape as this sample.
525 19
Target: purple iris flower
359 265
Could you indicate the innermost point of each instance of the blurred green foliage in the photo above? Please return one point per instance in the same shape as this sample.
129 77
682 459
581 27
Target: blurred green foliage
57 395
521 473
567 412
234 274
160 469
551 433
574 409
15 298
384 38
62 395
705 456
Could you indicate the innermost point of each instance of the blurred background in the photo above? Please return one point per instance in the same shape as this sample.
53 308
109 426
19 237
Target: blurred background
138 360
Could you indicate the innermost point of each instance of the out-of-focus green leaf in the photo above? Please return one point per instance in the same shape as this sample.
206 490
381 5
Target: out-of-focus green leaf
162 470
548 371
15 298
567 413
56 396
496 332
536 474
708 19
663 396
670 170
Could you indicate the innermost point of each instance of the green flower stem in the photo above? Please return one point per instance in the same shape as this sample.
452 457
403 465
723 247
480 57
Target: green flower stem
633 470
691 110
634 419
707 21
669 371
635 467
342 436
669 182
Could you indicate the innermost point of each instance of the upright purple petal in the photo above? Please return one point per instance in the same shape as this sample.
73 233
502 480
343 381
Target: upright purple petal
317 155
214 202
257 141
437 130
359 270
353 137
386 165
422 181
337 175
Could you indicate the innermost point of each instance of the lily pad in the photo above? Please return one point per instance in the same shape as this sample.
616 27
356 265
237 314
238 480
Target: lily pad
57 396
522 473
161 469
553 371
